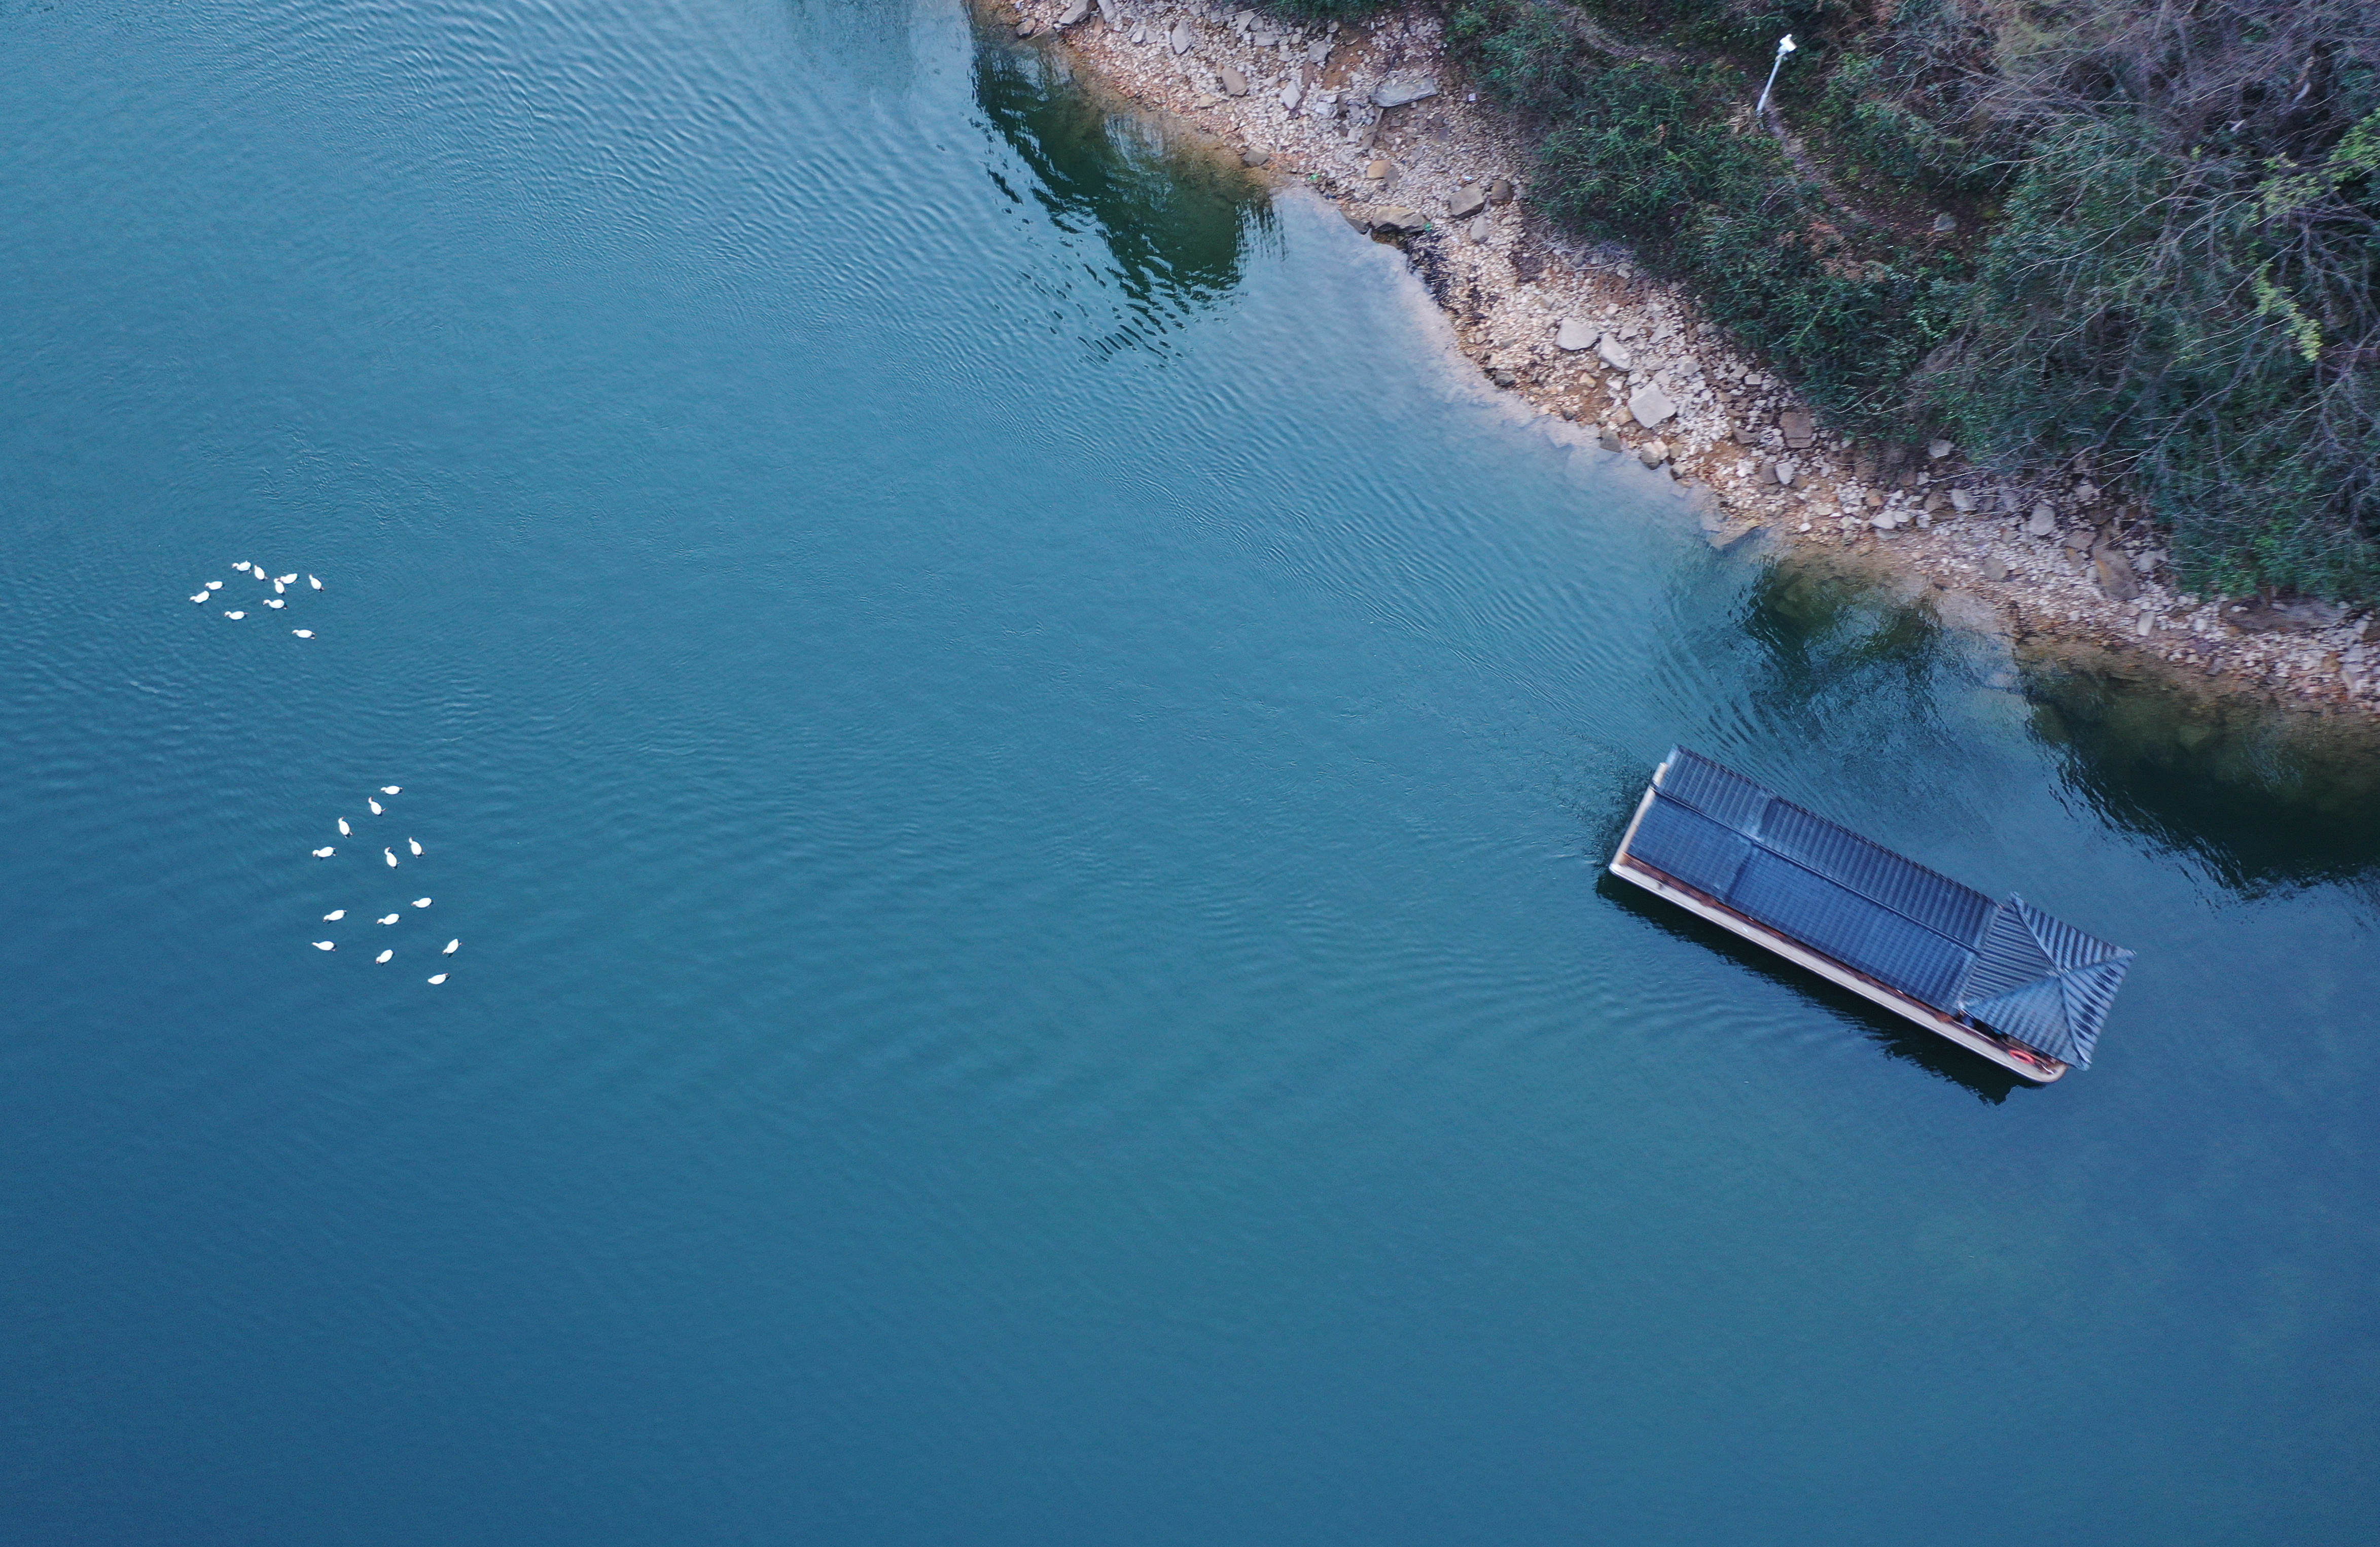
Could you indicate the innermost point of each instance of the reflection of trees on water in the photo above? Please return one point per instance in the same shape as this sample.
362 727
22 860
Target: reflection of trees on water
1173 221
2267 797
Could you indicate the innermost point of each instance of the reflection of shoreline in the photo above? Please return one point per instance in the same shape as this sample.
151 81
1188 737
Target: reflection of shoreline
1506 284
2266 796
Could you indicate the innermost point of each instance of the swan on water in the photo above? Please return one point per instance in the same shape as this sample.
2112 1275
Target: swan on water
284 579
335 915
415 844
315 583
450 948
234 615
440 979
303 633
374 804
275 602
391 789
200 596
240 563
421 902
277 588
382 956
326 945
391 919
214 585
345 831
323 853
390 857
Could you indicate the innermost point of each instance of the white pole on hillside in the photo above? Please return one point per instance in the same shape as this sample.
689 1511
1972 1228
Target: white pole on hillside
1784 46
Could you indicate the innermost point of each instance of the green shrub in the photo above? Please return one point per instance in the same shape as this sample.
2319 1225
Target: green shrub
1666 157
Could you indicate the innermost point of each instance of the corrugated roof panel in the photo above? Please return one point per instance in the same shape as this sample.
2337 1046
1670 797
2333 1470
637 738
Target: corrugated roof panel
1691 846
1876 872
1726 797
2008 957
1848 927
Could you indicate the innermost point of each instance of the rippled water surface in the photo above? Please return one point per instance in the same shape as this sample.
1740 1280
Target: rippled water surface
1019 763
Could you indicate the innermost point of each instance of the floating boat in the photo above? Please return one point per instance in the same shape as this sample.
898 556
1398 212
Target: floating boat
2002 979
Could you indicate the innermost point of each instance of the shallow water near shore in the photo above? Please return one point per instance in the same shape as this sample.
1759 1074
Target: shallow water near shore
1021 765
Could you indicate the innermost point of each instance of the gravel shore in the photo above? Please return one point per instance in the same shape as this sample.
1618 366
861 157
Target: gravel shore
1374 118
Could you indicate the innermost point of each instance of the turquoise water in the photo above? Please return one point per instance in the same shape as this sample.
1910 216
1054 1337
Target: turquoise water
1020 764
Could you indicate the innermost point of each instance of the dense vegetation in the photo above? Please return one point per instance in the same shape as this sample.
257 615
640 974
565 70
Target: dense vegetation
2135 238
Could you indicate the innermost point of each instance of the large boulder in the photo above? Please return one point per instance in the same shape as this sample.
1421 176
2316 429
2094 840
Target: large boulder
1180 38
1573 335
1467 202
1235 84
1399 90
1397 219
1650 405
1799 427
1075 14
1613 353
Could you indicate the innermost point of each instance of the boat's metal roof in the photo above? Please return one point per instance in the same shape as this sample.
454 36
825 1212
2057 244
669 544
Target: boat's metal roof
2007 965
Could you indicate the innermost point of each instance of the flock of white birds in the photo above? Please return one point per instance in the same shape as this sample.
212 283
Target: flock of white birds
388 854
211 591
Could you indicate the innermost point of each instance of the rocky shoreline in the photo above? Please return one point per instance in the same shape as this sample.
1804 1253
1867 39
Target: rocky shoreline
1373 116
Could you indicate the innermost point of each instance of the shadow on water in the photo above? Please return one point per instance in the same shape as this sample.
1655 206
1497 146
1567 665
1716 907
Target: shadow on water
2268 798
1175 217
1912 1044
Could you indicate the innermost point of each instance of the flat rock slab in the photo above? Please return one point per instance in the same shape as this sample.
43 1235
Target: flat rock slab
1075 14
1650 405
1613 353
1399 219
1500 191
1573 334
1399 90
1235 84
1799 427
1467 202
2115 577
1181 38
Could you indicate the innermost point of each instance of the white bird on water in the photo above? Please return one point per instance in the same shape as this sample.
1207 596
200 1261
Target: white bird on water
234 615
390 919
315 583
275 603
214 585
390 857
277 588
440 979
382 956
303 633
374 804
421 902
345 831
450 948
391 789
200 596
284 579
335 915
323 853
240 563
326 945
415 844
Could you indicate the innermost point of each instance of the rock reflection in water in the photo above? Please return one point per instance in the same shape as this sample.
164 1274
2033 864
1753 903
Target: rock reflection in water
1174 217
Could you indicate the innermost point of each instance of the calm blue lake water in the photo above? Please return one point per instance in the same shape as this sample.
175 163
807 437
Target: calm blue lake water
1020 765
